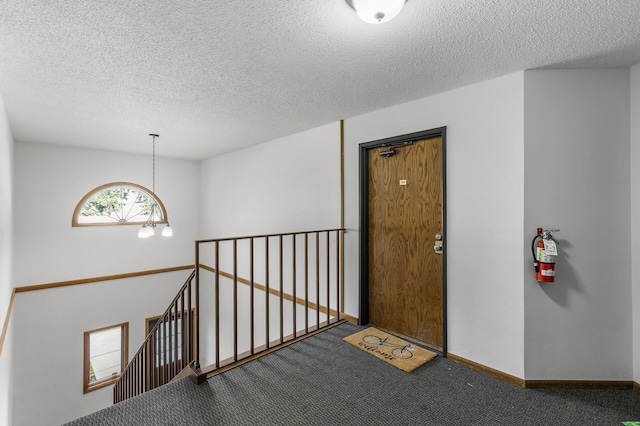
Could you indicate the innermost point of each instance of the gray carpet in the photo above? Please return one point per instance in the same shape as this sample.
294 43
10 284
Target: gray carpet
323 380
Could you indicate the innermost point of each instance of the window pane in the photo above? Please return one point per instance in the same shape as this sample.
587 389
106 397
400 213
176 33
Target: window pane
105 349
120 204
164 337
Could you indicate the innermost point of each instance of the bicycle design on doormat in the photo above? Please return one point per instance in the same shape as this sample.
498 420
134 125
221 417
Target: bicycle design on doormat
375 343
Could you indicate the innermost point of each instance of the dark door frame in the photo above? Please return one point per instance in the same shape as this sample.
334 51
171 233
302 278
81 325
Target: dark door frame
364 218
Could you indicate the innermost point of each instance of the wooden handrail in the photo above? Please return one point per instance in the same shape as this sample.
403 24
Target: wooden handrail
7 318
255 237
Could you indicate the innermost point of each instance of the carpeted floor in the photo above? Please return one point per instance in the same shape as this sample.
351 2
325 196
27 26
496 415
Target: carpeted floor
323 380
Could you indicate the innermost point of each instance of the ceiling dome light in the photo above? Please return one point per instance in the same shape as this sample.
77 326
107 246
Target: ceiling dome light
377 11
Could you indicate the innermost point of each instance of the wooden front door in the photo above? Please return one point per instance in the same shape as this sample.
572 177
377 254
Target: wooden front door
405 222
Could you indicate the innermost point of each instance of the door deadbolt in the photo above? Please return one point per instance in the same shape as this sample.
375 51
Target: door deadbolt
438 245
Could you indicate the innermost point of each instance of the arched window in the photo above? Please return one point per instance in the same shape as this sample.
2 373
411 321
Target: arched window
119 203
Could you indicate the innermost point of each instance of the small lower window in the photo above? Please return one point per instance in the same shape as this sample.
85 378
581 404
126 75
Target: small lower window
105 355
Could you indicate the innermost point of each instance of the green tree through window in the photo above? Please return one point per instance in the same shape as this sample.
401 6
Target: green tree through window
109 202
118 203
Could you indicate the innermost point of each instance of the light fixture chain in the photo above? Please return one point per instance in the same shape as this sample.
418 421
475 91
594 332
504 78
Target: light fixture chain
147 228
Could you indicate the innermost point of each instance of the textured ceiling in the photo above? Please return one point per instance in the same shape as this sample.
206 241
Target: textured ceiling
215 76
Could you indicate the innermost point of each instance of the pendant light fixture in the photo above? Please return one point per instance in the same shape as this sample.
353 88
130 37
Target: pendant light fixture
148 228
377 11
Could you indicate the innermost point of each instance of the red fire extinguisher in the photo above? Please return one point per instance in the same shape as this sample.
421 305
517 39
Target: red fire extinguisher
544 253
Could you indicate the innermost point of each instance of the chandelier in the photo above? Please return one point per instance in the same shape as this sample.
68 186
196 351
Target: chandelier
148 228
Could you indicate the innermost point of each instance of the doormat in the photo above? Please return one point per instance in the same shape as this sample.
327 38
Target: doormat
392 350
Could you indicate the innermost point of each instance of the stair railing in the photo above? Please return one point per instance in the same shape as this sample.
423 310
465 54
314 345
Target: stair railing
264 291
259 293
168 349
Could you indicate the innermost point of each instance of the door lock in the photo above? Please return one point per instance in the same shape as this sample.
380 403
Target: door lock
438 247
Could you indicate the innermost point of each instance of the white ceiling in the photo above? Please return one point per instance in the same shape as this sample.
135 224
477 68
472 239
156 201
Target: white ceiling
215 76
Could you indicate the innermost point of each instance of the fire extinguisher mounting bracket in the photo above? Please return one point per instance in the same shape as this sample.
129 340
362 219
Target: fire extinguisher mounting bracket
546 234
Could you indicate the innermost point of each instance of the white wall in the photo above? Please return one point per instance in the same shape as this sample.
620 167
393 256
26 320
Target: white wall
49 183
6 225
577 180
484 178
6 378
289 184
6 204
285 185
50 326
635 213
